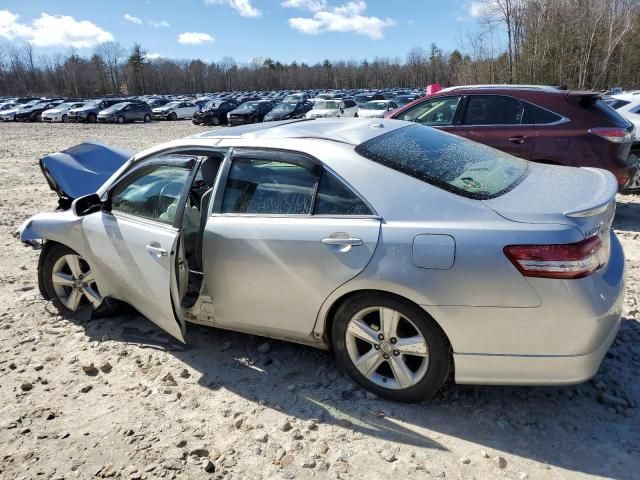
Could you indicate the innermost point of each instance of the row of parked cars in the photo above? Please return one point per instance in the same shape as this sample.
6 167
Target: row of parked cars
220 109
543 124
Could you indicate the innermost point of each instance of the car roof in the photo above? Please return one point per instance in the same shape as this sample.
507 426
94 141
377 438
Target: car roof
345 130
545 88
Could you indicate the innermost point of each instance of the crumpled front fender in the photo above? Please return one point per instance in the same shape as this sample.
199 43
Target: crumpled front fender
61 226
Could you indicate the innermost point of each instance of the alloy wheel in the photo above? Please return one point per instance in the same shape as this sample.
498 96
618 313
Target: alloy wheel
387 348
74 283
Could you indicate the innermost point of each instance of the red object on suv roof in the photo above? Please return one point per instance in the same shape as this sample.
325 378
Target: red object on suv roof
537 123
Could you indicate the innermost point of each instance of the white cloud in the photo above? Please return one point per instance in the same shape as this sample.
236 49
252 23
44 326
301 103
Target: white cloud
153 56
344 18
158 23
243 7
312 5
53 30
10 28
132 19
194 38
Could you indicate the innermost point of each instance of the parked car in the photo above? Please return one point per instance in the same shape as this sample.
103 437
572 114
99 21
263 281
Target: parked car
249 112
287 110
174 111
363 98
214 112
34 112
333 108
402 100
627 105
290 231
9 115
60 113
376 108
89 111
126 112
542 124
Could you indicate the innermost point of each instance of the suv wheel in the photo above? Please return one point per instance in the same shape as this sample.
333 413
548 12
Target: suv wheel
391 348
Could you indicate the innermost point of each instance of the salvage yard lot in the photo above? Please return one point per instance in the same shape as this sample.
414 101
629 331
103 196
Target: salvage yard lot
247 408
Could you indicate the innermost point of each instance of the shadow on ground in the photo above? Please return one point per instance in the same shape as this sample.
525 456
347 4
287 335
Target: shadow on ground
627 215
566 427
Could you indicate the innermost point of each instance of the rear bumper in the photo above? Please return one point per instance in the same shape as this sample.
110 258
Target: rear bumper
563 341
479 369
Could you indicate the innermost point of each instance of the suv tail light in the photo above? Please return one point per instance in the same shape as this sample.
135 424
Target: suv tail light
615 135
565 261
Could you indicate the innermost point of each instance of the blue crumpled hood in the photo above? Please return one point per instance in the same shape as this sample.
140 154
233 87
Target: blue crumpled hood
82 169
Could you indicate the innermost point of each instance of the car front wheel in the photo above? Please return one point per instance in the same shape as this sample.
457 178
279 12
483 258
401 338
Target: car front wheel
68 281
390 347
147 118
120 119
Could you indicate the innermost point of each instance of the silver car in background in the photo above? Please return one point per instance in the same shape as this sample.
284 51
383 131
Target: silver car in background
411 253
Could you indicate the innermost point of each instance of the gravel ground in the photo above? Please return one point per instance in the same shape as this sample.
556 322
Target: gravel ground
116 398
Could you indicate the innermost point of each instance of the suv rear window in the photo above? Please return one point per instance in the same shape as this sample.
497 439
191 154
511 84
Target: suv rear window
449 162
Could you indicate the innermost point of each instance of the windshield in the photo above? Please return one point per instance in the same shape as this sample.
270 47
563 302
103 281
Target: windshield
374 106
247 106
363 98
92 104
452 163
67 106
327 105
117 106
171 104
285 107
292 98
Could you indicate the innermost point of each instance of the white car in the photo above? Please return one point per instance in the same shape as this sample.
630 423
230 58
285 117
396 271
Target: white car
9 115
174 111
333 108
60 113
628 105
376 108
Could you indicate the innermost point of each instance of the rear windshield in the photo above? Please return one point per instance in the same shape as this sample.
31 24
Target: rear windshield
452 163
599 107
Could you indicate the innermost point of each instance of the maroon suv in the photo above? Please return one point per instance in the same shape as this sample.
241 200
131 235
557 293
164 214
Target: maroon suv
542 124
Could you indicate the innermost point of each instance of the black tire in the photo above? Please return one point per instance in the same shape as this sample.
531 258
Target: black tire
92 118
173 116
196 122
355 115
215 121
65 118
48 257
147 118
439 366
120 119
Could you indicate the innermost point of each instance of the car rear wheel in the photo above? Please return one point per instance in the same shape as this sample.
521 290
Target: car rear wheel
68 281
147 118
391 348
120 119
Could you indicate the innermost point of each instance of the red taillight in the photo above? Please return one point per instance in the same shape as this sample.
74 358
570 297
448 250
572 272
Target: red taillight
615 135
572 260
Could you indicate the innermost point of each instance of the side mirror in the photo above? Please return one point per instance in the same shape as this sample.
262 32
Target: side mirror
86 205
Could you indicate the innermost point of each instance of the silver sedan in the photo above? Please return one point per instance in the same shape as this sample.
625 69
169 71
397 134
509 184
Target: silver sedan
412 254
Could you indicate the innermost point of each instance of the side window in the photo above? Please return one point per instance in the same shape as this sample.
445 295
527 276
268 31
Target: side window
536 115
151 193
436 112
335 198
268 187
493 110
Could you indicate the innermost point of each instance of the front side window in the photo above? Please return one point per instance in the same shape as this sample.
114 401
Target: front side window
269 187
449 162
152 193
437 112
493 110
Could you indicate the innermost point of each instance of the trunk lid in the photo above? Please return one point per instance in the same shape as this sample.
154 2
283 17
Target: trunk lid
581 197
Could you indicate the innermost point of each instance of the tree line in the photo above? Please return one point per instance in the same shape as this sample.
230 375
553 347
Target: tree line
579 44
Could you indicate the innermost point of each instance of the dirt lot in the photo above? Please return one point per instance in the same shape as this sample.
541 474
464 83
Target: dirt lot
240 407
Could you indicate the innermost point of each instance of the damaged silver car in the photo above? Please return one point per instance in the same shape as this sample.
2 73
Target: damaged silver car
412 254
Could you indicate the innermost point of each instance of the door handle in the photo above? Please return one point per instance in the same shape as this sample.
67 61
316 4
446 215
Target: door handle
156 249
517 139
342 241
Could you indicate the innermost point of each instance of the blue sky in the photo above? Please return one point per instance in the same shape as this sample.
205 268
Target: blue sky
302 30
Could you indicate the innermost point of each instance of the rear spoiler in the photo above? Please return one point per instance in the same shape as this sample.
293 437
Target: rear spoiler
81 170
583 98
